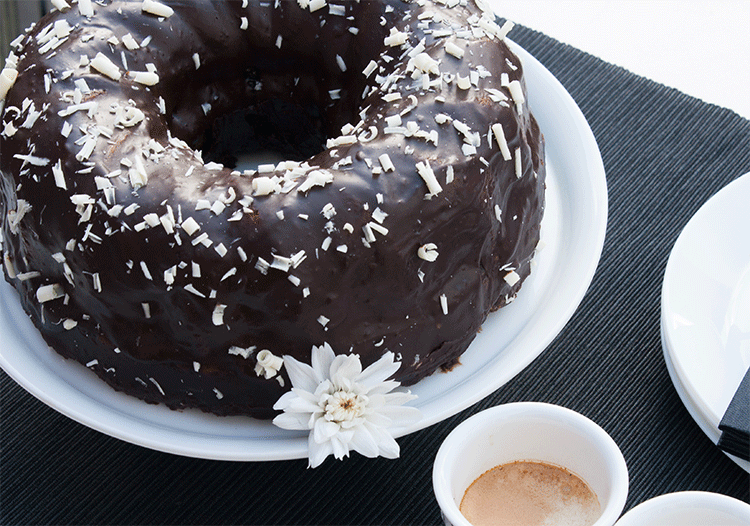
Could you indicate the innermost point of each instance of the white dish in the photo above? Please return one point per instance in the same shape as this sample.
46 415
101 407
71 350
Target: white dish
521 431
688 508
573 233
706 307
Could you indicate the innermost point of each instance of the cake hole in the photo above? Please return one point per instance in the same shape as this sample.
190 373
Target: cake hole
268 132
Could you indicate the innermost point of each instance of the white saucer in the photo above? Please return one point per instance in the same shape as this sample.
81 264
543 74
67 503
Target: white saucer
688 508
705 320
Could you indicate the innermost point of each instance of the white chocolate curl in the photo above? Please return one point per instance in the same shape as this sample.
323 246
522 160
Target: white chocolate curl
428 252
61 5
8 77
106 67
47 293
156 8
268 365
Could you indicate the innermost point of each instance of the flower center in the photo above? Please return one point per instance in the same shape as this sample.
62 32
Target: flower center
343 406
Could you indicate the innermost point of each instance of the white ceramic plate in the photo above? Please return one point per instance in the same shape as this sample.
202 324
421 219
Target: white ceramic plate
573 233
706 307
688 508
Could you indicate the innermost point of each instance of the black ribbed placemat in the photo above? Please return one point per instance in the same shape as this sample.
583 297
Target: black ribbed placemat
665 154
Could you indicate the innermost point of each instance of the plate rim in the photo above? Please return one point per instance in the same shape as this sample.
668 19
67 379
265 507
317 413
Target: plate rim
296 447
703 414
700 500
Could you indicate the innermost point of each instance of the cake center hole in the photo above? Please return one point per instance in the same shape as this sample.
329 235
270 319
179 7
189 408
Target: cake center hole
267 132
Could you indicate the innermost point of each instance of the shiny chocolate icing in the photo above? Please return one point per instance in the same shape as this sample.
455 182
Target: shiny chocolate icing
166 274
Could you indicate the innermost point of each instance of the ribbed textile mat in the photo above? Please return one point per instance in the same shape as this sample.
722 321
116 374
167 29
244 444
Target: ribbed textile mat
665 154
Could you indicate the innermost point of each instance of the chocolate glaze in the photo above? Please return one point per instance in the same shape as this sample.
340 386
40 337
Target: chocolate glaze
140 329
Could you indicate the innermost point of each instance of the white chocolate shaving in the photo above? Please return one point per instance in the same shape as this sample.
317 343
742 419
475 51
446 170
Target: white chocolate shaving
10 268
428 252
463 82
314 5
57 172
426 64
516 91
217 317
507 27
128 116
519 166
264 186
51 292
106 67
130 42
444 304
156 8
146 271
395 38
268 364
426 173
497 131
315 178
512 277
371 67
245 352
8 77
190 226
452 49
147 78
61 5
340 62
281 263
386 163
380 229
86 8
336 10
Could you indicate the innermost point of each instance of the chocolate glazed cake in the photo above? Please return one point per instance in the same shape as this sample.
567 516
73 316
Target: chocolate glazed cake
409 210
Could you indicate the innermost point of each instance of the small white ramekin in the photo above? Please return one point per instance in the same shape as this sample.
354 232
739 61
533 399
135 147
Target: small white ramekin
529 431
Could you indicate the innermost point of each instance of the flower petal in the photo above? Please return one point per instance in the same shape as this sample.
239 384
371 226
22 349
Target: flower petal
293 421
302 405
324 430
382 388
375 402
321 359
302 375
399 397
344 370
311 421
340 445
283 402
389 447
379 371
378 418
317 452
325 387
400 416
364 443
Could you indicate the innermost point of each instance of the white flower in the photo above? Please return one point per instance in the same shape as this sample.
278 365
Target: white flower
344 407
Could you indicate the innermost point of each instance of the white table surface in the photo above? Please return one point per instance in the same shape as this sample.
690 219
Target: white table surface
701 48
